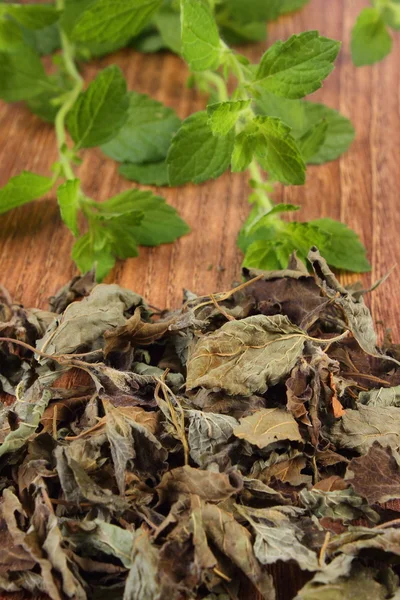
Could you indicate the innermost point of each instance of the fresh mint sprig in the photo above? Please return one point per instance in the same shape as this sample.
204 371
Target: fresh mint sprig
92 117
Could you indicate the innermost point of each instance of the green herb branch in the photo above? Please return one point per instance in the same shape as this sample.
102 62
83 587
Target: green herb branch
371 40
262 125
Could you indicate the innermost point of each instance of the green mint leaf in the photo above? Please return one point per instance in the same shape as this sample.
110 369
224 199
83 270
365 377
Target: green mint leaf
301 115
43 41
68 201
168 23
146 174
277 152
223 116
311 141
113 20
10 35
390 12
339 134
197 155
32 16
160 224
261 226
235 33
290 5
345 250
370 40
94 249
22 189
274 251
297 67
101 110
243 152
291 112
109 237
251 11
201 44
146 134
22 75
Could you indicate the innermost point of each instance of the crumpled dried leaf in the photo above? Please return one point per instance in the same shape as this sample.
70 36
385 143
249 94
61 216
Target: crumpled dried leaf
359 429
234 541
361 585
207 432
82 325
376 475
245 357
279 539
16 438
339 504
134 332
356 314
209 485
267 426
381 397
79 287
142 581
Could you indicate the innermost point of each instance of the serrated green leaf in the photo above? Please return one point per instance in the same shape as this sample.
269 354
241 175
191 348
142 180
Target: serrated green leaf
276 245
370 40
146 174
201 44
109 237
22 189
277 152
101 110
73 11
297 67
86 255
22 75
113 20
32 16
146 134
160 223
223 116
312 140
345 251
197 155
339 134
301 115
68 201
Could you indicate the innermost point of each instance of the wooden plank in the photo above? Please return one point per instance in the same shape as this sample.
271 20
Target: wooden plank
361 188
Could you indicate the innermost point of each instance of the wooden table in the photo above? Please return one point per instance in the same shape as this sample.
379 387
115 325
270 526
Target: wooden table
361 188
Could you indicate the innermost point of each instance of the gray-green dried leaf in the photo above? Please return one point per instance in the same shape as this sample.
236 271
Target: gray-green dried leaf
207 433
245 357
381 397
359 429
339 504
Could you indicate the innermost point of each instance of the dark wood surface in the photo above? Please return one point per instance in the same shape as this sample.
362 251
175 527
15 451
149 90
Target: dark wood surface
361 188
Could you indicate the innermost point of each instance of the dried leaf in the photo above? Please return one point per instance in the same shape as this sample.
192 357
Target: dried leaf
267 426
359 429
376 475
245 357
207 432
211 486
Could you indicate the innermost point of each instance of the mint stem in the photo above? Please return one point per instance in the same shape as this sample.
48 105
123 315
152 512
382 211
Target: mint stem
68 54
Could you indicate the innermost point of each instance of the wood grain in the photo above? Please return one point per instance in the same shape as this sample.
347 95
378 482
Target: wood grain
360 189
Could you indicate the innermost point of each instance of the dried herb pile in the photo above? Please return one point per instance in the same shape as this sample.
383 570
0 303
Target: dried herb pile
251 427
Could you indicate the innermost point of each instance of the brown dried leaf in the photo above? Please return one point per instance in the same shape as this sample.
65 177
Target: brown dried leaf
376 475
208 485
267 426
